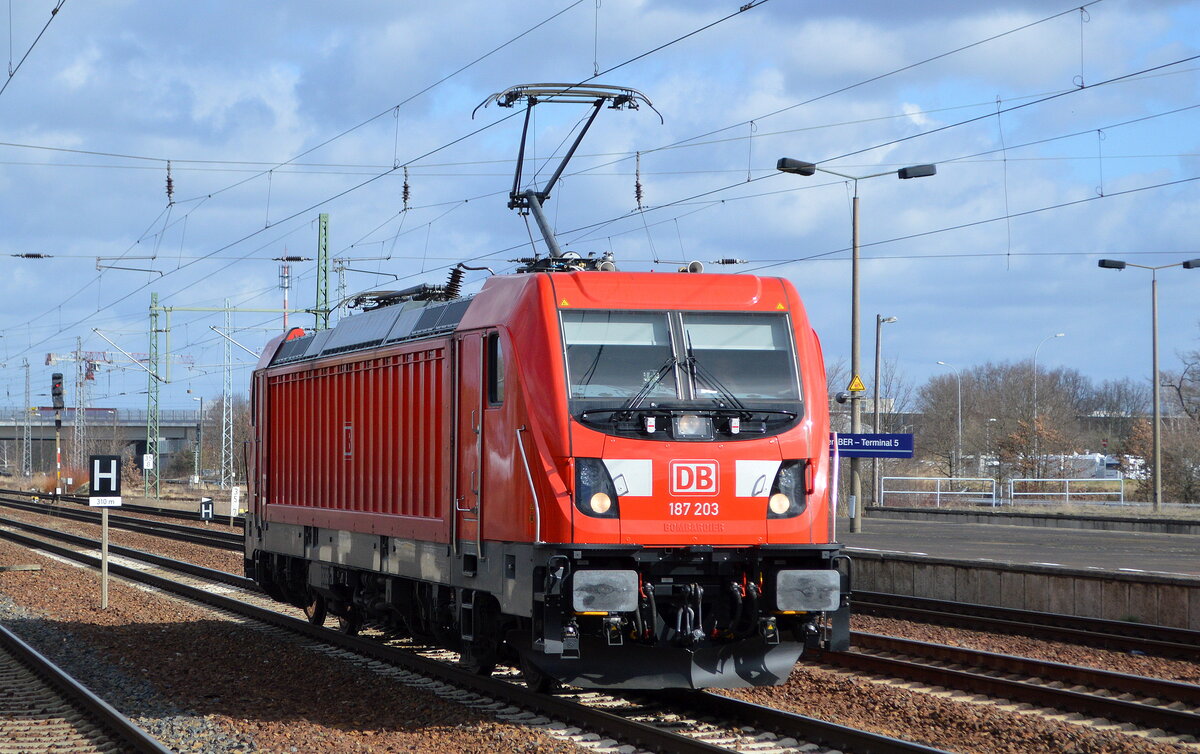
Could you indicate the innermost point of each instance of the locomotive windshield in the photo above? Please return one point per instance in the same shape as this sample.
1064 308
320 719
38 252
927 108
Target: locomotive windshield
749 354
622 363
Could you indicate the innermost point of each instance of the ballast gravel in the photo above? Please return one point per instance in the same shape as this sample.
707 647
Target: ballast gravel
269 697
1038 649
204 683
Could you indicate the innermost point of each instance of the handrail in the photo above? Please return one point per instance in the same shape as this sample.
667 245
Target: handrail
537 508
938 490
1066 492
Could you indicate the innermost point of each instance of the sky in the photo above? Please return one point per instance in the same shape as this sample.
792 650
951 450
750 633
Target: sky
1061 136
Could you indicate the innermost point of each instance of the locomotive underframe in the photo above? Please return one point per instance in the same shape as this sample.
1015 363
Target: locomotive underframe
704 617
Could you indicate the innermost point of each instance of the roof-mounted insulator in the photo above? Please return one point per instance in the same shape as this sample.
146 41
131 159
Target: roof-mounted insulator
454 285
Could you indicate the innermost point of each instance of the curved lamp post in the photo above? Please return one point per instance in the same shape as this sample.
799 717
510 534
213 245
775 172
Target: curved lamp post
1116 264
799 167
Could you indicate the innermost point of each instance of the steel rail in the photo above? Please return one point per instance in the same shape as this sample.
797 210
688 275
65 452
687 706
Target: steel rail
152 510
609 724
128 552
218 539
218 519
975 681
799 726
1122 636
121 729
1122 683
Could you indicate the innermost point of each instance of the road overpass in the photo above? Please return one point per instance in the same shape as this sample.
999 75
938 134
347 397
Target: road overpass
108 430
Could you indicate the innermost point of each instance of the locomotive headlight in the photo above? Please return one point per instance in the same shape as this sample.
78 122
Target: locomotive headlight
692 427
600 503
779 504
788 497
595 493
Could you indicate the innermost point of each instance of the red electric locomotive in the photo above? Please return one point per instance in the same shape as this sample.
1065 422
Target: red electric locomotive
620 477
615 479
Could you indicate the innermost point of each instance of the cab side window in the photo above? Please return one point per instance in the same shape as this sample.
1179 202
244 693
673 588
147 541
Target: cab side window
495 370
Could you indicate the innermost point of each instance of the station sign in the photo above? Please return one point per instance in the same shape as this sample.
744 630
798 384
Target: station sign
873 445
104 481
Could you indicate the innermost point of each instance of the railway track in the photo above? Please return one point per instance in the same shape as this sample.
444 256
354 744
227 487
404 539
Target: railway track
44 709
149 510
135 555
1122 636
1147 702
696 722
224 540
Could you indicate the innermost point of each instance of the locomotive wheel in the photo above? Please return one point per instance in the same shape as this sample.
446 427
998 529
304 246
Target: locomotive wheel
316 610
535 679
350 622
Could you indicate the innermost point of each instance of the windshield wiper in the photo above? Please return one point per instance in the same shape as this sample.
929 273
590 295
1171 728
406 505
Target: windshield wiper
696 369
651 383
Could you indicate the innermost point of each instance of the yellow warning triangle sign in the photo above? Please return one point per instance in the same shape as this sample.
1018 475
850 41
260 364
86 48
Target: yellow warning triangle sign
856 385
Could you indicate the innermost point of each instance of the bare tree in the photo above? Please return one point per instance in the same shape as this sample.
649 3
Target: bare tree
998 417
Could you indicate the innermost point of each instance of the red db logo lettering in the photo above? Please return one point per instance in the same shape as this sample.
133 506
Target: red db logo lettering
693 477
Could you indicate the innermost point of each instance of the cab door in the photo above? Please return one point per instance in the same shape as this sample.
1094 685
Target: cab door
468 493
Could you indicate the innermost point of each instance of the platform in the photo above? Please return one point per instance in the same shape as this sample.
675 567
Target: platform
1134 552
1136 576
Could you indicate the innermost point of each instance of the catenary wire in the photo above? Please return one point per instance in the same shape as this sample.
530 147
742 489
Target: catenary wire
320 203
53 15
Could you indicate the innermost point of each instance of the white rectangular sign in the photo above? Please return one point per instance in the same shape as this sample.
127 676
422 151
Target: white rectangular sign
235 500
104 481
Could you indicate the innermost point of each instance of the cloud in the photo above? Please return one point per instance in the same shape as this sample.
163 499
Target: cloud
230 91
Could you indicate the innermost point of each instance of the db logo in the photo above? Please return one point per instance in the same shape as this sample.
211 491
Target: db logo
693 477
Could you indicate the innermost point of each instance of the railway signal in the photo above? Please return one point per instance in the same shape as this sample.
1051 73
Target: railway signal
56 398
56 390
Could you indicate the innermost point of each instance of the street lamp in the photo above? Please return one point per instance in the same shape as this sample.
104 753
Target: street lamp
1116 264
987 442
958 444
880 321
799 167
1036 458
199 439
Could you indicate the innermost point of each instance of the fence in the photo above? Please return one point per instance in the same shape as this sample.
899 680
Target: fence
924 490
1047 491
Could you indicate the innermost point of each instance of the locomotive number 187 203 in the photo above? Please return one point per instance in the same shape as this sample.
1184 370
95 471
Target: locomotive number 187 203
694 509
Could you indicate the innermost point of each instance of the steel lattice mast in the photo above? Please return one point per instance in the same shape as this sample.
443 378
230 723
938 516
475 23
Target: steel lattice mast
321 309
27 428
227 408
152 380
79 446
